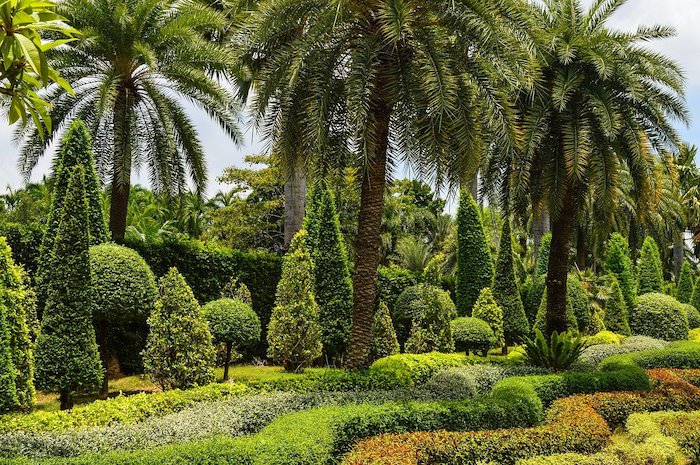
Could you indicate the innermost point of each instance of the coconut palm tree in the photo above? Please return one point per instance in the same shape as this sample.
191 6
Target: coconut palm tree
135 63
382 82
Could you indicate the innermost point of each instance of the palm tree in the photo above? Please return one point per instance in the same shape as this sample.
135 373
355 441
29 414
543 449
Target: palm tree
380 82
603 101
134 64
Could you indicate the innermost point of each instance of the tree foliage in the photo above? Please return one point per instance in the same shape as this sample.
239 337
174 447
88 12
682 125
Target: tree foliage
618 261
686 283
650 277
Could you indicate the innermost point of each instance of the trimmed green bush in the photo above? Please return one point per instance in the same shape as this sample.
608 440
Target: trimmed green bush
25 242
474 264
587 322
616 315
488 310
686 282
681 354
414 369
505 291
695 299
659 316
8 388
473 335
384 341
67 358
425 311
693 316
650 276
618 261
392 281
179 352
604 337
542 266
294 334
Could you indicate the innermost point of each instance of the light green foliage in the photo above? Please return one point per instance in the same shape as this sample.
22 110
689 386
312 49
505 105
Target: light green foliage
540 319
618 261
426 311
686 282
179 352
693 316
384 341
237 290
473 335
488 310
506 292
559 353
616 314
474 264
294 334
232 322
659 316
586 320
67 359
604 337
543 255
433 272
8 388
650 277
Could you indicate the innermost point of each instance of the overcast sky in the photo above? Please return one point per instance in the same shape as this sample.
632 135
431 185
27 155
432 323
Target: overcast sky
684 15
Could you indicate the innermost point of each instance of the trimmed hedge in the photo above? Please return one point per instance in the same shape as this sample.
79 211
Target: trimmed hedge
417 368
659 316
681 354
682 427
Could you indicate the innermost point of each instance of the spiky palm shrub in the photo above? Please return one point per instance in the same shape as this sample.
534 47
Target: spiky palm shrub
616 314
294 333
650 276
488 310
505 291
384 341
67 358
179 351
686 283
474 263
618 261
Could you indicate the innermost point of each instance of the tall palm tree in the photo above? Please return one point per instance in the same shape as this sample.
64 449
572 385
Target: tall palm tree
603 101
382 82
135 63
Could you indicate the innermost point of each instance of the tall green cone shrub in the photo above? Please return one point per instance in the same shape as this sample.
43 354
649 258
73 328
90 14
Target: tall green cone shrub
695 299
332 281
576 294
542 265
488 310
506 292
179 350
685 283
294 333
474 264
237 290
8 388
67 360
650 276
618 261
616 314
384 341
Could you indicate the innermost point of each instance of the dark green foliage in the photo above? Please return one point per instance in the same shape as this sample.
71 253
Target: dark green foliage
8 388
531 294
543 257
559 353
488 310
693 316
616 315
474 264
618 261
506 292
650 277
391 282
473 335
384 342
332 282
425 311
179 353
67 359
540 322
237 290
586 321
294 334
25 242
686 282
695 299
659 316
232 321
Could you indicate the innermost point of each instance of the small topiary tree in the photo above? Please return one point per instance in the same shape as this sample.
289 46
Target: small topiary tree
585 318
234 323
684 292
693 316
488 310
659 316
473 335
531 294
418 341
695 298
505 291
540 319
8 388
179 351
616 316
384 342
650 277
619 262
542 265
474 264
123 290
67 358
234 289
429 308
294 333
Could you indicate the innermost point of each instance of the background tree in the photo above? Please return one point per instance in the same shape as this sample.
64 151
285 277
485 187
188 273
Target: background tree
695 299
384 341
616 313
650 276
67 358
179 352
686 283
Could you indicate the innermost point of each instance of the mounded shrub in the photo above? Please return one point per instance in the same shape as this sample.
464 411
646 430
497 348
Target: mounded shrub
618 261
414 369
680 427
594 354
686 282
681 354
659 316
693 316
604 337
384 341
616 317
426 311
650 276
488 310
392 281
473 335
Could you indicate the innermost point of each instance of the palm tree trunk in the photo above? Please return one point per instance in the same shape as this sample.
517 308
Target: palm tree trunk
121 165
562 232
581 247
368 243
118 207
294 204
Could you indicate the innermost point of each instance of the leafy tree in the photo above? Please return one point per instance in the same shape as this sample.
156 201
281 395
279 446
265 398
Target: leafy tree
179 352
618 261
294 333
128 70
384 342
67 358
364 92
474 264
237 290
685 283
505 291
8 388
650 277
616 313
233 323
488 310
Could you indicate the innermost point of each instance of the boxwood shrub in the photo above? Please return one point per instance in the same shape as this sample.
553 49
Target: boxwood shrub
680 354
659 316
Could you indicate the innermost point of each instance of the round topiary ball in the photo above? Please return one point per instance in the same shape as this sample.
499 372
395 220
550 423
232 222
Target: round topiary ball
473 335
693 316
232 321
659 316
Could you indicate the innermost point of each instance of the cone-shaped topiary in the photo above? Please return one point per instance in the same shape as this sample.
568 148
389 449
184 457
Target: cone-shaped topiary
488 310
294 333
237 290
686 283
531 295
8 388
695 299
650 277
540 319
616 314
578 298
179 351
474 264
384 342
542 265
618 261
67 359
433 272
332 282
505 291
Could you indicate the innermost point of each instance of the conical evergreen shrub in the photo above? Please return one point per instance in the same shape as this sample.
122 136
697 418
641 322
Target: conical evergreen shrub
650 277
616 315
618 261
542 265
237 290
685 283
576 294
384 341
695 298
488 310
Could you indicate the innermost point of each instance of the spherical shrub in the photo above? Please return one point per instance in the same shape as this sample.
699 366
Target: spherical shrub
452 384
693 316
472 335
659 316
